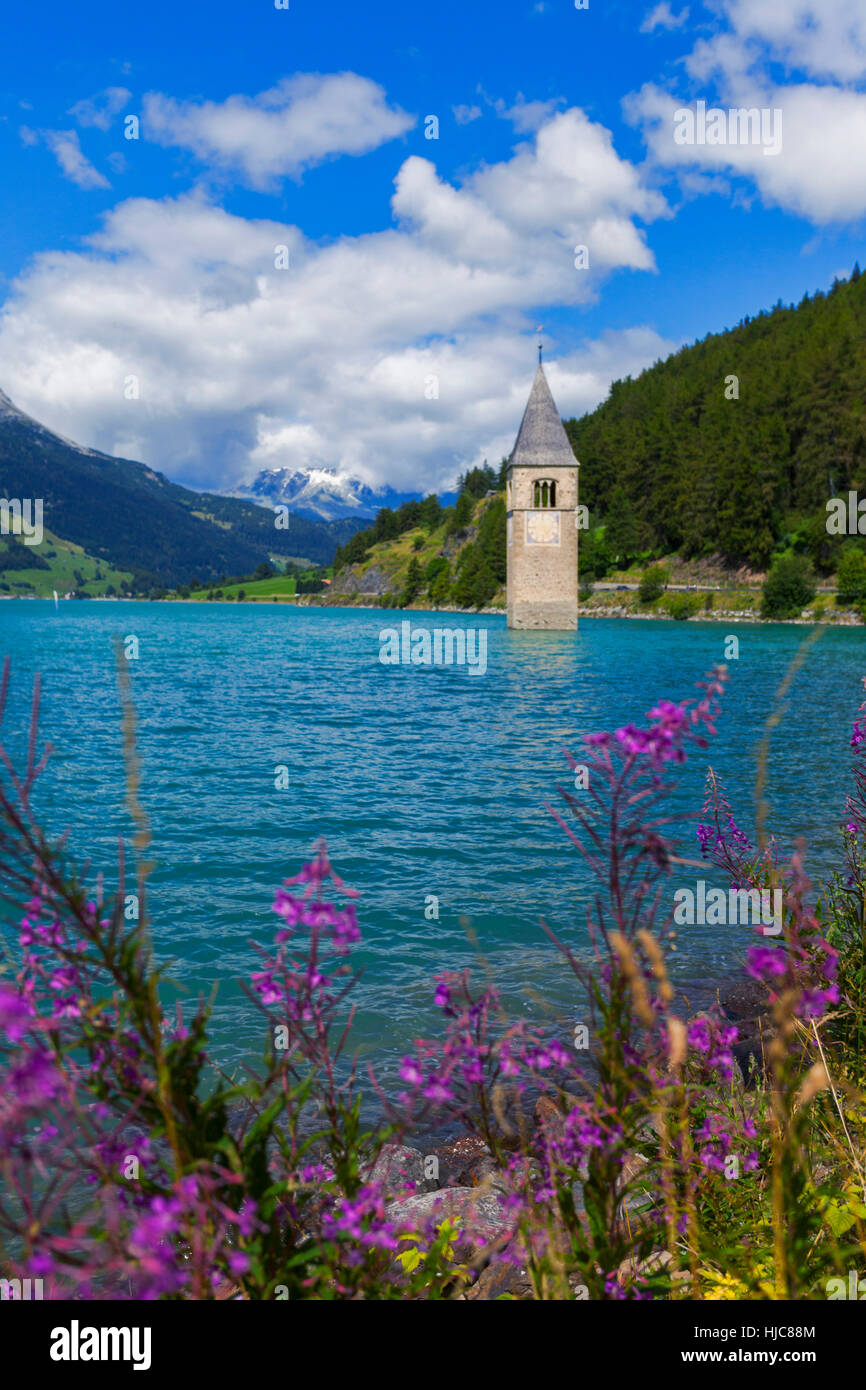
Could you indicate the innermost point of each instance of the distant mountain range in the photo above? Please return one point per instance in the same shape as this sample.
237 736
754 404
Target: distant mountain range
133 518
320 493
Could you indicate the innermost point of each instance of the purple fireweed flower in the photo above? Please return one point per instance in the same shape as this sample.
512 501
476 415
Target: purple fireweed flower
161 1221
64 978
442 997
765 962
508 1065
36 1080
411 1072
267 987
705 835
318 870
664 741
67 1007
437 1091
15 1016
813 1002
472 1071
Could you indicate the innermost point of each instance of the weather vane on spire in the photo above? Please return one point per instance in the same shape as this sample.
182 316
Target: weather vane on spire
538 330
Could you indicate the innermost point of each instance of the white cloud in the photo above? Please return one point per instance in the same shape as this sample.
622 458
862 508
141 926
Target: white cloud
662 17
242 365
66 148
818 172
822 38
100 110
464 114
528 116
299 123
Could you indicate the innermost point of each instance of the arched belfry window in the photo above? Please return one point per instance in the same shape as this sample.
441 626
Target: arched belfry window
544 493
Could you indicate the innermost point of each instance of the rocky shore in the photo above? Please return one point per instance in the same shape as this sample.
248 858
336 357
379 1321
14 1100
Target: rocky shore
840 618
458 1177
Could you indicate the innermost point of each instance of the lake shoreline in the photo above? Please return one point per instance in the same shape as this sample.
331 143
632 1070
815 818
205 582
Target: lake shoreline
846 618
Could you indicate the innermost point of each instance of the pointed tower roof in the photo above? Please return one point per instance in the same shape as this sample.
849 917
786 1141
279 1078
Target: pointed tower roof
541 440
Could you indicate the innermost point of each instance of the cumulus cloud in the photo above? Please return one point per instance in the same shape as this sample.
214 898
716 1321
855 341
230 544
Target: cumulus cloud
281 132
399 355
100 110
75 166
662 17
823 147
820 38
464 114
817 172
527 116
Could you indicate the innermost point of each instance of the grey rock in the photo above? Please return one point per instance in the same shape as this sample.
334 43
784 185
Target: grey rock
399 1167
502 1280
373 581
481 1215
746 998
459 1159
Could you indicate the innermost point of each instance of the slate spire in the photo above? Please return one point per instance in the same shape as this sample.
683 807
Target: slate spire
541 440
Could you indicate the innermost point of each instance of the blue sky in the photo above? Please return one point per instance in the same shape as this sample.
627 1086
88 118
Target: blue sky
398 343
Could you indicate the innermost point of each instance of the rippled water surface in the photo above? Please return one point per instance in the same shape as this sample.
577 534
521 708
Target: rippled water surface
425 781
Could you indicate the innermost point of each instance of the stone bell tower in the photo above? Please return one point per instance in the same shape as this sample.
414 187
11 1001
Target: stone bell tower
541 502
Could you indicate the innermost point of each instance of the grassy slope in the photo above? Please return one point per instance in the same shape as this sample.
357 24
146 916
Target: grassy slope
393 557
255 590
60 575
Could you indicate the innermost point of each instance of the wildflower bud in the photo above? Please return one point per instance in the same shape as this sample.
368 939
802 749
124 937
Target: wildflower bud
634 977
677 1045
816 1080
653 950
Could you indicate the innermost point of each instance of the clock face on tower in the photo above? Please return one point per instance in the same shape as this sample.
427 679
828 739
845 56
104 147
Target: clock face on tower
542 528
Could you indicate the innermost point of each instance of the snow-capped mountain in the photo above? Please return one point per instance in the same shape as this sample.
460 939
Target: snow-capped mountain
320 493
178 534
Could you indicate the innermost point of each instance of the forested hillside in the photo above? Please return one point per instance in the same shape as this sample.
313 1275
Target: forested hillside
423 551
684 459
729 448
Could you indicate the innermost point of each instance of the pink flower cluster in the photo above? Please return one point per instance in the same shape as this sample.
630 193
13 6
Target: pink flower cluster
674 724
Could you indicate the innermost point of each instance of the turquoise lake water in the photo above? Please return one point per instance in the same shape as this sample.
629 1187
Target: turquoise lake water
424 780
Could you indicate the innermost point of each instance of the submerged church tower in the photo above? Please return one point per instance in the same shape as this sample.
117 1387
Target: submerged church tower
541 501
